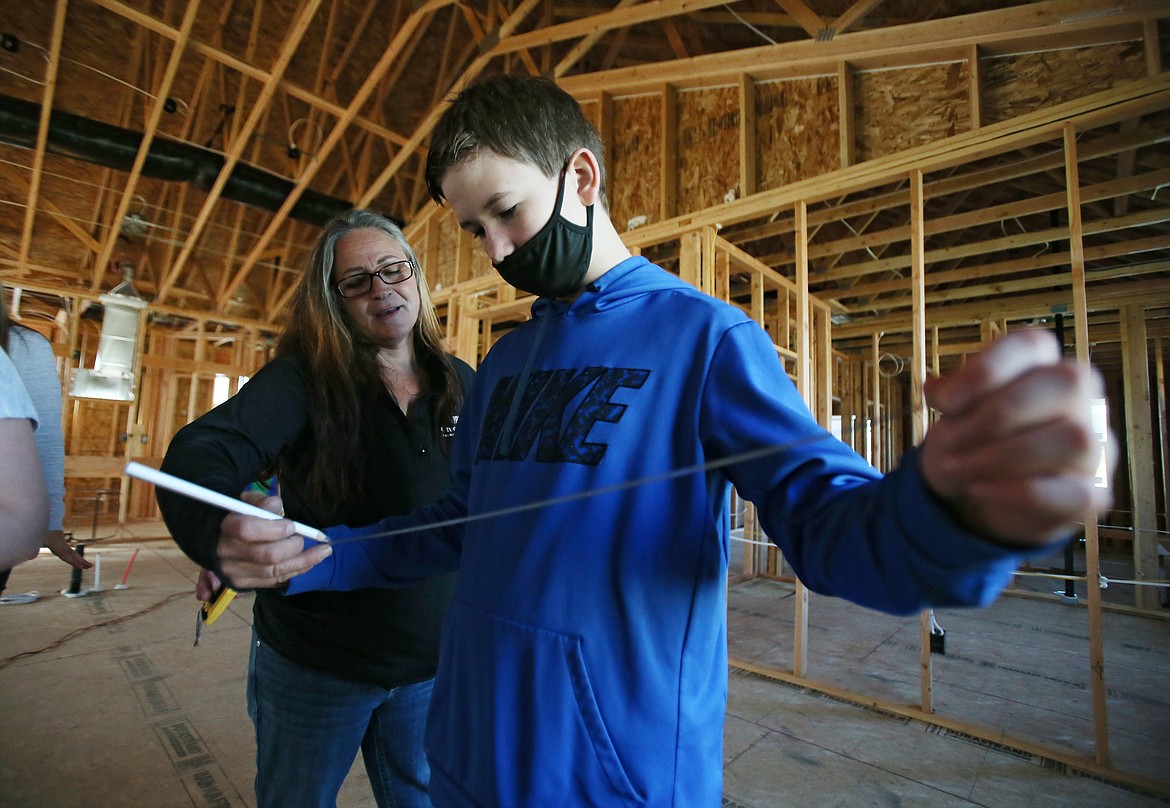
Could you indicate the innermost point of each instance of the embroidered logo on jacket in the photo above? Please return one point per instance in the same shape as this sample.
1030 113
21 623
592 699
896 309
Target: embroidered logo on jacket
556 411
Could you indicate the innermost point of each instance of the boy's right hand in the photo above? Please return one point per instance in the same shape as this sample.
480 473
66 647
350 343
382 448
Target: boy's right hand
256 553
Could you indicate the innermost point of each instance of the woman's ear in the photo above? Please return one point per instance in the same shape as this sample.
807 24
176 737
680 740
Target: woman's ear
586 172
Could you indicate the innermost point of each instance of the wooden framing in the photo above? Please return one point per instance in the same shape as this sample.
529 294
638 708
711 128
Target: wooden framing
909 178
844 60
1017 186
1092 545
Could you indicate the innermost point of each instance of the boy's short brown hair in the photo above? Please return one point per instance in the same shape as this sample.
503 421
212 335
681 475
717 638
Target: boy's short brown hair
525 118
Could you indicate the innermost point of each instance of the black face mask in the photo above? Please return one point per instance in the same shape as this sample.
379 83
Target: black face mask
554 261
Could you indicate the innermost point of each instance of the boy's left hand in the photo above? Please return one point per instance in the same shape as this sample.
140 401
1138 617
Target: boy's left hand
1014 455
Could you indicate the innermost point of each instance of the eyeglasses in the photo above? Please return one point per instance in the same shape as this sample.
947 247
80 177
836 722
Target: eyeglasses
360 283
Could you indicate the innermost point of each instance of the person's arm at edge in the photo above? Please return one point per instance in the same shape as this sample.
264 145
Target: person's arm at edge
24 503
33 356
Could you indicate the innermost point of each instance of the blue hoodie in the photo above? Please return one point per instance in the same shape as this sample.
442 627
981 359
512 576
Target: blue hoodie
584 659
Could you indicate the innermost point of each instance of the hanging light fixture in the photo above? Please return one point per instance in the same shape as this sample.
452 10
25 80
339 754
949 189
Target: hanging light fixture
112 376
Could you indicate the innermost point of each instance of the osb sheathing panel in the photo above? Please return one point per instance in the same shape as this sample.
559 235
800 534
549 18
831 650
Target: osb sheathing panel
100 422
900 109
592 112
444 229
634 188
797 132
708 147
473 261
181 391
1016 85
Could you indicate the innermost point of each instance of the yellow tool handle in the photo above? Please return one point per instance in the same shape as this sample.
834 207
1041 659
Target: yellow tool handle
218 605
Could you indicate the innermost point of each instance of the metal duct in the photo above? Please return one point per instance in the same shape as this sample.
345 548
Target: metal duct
114 147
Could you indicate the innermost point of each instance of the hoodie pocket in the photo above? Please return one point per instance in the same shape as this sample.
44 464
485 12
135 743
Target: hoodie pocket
515 721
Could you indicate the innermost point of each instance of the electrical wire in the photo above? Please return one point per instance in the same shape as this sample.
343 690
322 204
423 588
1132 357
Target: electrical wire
750 27
72 635
46 54
935 628
159 239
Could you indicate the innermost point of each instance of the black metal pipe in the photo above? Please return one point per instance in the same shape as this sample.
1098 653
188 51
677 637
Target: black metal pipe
114 147
75 573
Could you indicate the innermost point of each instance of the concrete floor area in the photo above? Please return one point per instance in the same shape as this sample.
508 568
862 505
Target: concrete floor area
106 702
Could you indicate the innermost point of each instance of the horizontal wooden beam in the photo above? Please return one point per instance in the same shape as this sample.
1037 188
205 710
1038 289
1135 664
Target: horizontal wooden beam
917 43
234 63
995 245
66 292
1132 100
1023 307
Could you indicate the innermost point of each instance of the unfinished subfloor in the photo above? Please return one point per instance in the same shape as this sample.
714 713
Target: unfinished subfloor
107 703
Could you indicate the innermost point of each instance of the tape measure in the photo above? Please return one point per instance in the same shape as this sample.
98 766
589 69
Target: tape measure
210 612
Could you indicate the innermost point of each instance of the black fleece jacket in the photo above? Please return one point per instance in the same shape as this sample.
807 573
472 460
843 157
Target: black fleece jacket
385 637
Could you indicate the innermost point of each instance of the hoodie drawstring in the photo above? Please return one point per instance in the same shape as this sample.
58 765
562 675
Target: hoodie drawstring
518 393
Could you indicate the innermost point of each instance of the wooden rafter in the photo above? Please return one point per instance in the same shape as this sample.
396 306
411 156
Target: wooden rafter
393 50
675 39
259 108
34 185
809 20
622 17
241 66
853 15
937 40
152 120
423 130
87 240
588 41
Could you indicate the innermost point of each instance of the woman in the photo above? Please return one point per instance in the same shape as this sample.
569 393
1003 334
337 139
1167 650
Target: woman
354 416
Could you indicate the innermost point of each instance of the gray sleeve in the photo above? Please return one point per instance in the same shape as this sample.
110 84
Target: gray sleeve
14 399
33 356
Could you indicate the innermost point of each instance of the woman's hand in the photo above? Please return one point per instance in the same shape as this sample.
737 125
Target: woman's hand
206 586
255 553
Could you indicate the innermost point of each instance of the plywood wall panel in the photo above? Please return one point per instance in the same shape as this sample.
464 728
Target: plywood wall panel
634 185
901 109
797 133
708 147
1017 85
592 111
446 233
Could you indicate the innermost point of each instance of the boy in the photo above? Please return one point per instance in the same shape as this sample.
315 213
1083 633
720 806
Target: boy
584 657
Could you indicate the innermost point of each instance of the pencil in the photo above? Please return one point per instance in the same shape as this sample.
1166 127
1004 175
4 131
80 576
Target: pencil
196 491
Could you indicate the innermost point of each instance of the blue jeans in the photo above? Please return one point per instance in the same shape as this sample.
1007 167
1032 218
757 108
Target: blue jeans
309 726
